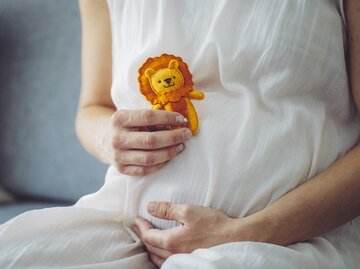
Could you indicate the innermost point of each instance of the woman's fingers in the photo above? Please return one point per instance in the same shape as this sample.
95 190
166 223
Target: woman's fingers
149 158
137 118
156 255
153 140
158 261
135 149
153 249
141 228
133 170
162 253
169 211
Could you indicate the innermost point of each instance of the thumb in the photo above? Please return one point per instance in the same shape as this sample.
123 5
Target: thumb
166 210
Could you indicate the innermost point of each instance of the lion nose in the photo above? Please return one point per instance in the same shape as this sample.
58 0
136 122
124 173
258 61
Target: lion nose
168 80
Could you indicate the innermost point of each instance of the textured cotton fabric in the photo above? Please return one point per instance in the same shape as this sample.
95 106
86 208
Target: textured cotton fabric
277 111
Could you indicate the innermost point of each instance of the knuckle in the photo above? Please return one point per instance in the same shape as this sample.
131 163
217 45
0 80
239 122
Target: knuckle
120 140
164 209
120 117
150 141
170 245
140 171
148 160
186 212
118 157
117 141
121 168
148 116
177 138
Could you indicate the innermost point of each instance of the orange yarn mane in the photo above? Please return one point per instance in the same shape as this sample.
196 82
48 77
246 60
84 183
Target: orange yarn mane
161 62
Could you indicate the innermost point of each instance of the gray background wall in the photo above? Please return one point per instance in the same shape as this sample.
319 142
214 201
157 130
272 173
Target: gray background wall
40 156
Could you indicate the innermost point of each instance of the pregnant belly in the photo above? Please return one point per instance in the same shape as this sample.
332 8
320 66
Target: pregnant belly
243 162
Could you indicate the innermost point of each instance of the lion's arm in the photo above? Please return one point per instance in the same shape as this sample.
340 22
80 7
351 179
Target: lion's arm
197 95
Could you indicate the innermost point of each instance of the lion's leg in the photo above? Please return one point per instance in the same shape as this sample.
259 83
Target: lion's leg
157 107
192 117
168 107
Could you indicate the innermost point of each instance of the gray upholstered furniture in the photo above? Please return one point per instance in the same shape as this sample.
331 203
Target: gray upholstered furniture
41 161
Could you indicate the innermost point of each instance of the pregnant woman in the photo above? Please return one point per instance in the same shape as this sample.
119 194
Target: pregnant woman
271 180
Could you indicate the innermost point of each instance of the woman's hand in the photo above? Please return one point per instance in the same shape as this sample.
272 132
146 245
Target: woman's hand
201 227
135 150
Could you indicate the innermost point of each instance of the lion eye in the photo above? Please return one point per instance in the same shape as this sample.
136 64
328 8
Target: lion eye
173 76
159 81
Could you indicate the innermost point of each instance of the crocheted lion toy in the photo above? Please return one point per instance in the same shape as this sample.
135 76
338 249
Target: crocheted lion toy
167 84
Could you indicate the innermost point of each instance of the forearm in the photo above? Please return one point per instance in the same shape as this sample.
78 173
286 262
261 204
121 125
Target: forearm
327 201
92 123
352 10
95 105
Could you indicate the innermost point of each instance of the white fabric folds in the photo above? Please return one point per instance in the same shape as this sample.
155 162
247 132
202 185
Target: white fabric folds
277 112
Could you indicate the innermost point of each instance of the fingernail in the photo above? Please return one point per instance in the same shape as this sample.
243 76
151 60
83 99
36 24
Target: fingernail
180 119
179 148
151 208
187 134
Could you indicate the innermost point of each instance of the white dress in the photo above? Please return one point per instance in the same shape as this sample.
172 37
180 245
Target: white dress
277 112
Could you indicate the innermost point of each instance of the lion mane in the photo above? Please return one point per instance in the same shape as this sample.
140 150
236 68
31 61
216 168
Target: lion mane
161 62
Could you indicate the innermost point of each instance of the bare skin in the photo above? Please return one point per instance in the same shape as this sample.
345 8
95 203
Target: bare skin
119 137
327 201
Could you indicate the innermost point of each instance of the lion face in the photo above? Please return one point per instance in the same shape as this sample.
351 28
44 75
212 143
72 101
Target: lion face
157 82
166 79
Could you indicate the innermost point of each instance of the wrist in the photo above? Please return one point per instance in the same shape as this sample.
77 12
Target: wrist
92 124
255 228
103 140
